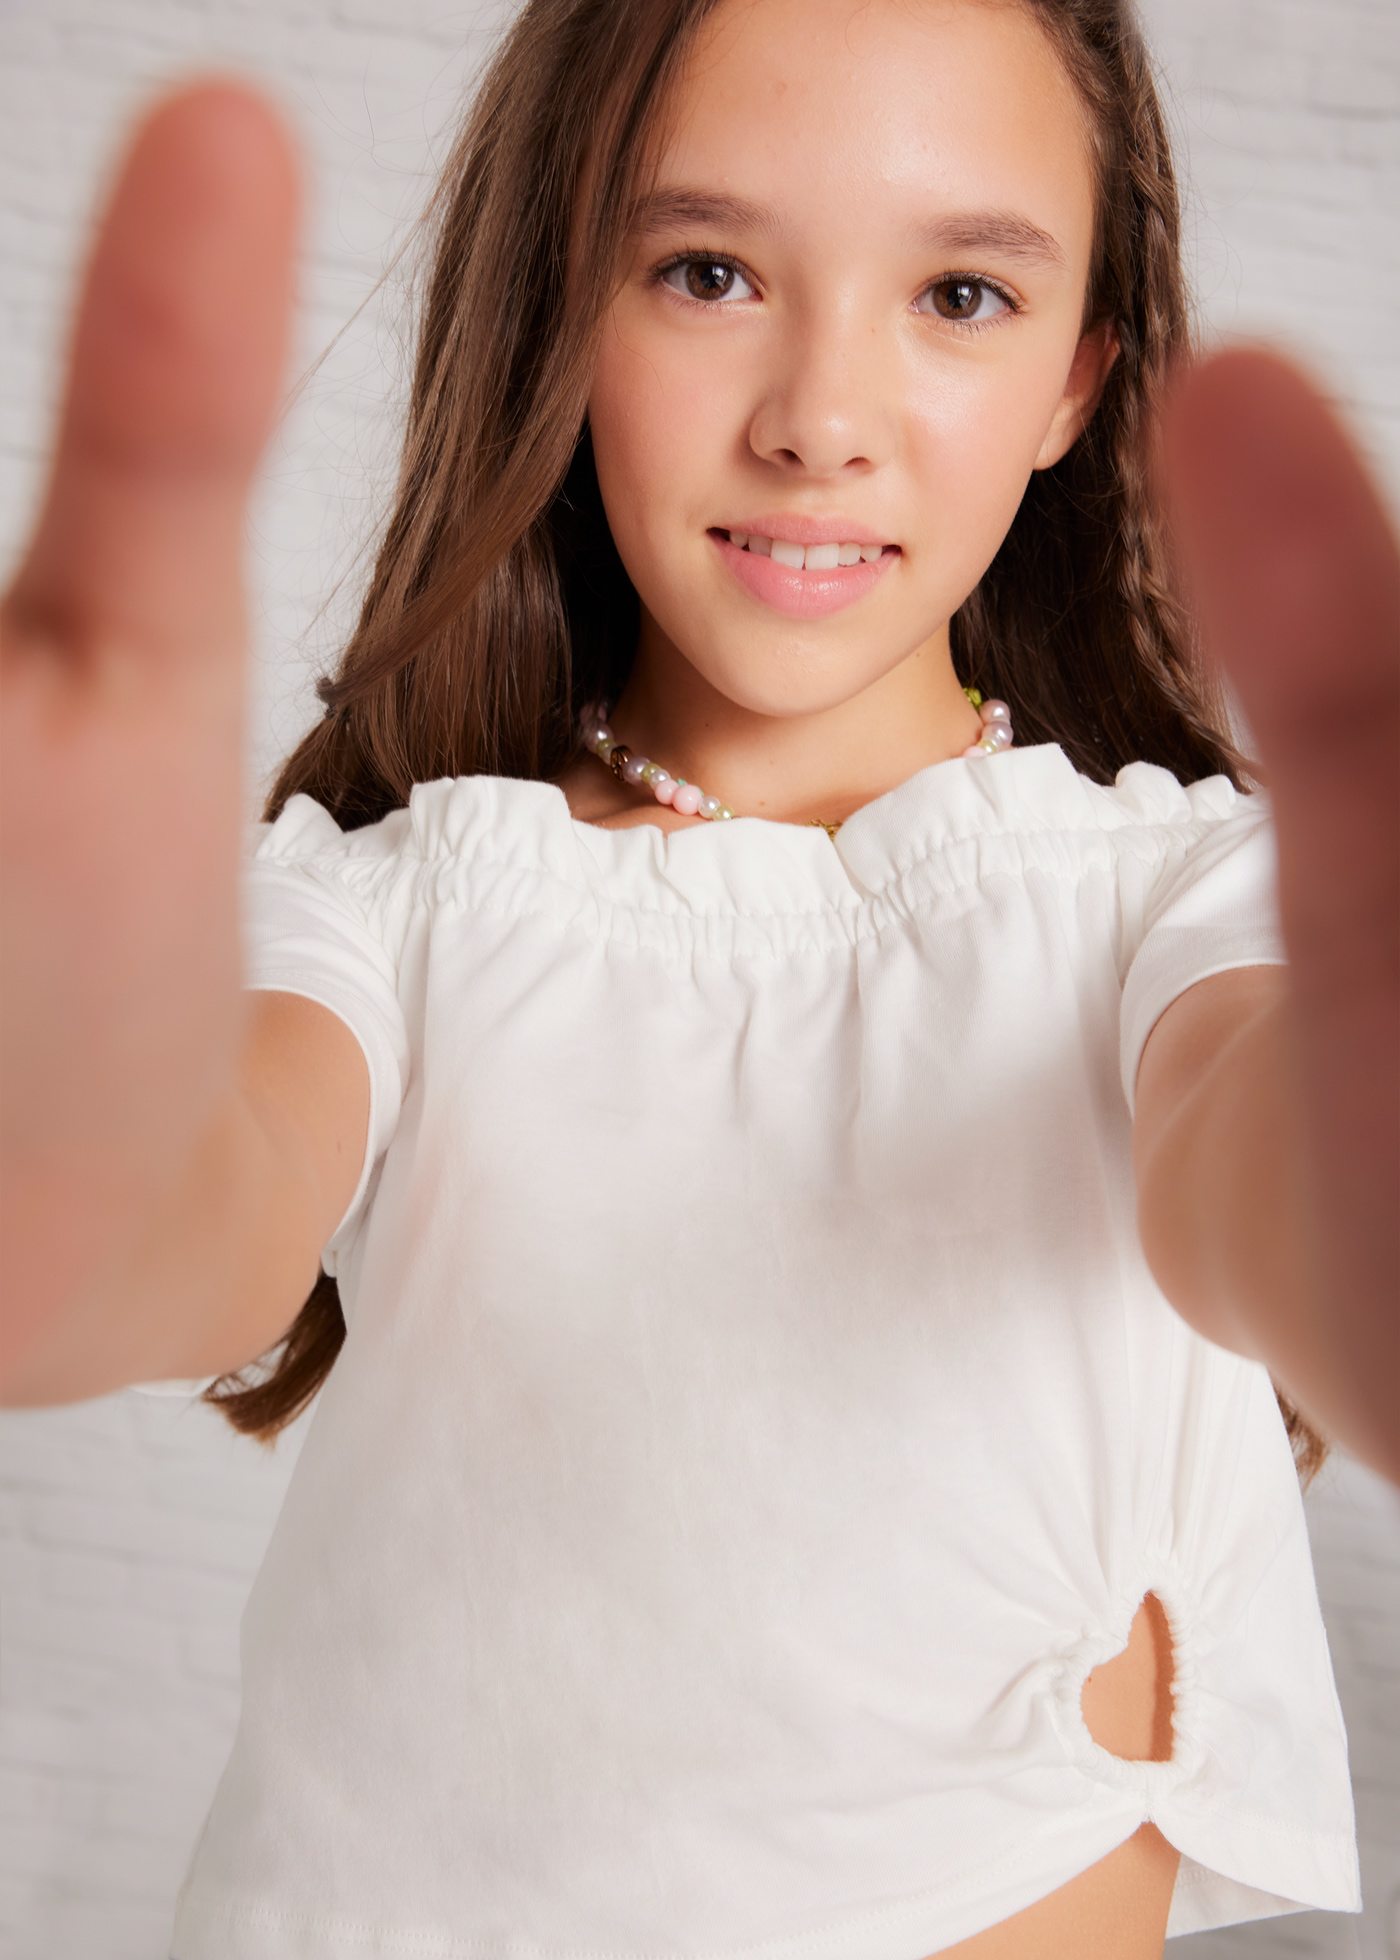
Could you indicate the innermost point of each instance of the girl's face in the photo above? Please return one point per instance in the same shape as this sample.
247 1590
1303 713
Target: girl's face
845 366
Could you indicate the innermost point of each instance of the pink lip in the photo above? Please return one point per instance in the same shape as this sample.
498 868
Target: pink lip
803 595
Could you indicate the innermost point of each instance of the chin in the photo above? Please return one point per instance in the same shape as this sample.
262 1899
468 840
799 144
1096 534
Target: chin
777 691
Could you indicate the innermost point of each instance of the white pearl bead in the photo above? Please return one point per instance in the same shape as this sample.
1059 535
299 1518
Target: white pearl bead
688 797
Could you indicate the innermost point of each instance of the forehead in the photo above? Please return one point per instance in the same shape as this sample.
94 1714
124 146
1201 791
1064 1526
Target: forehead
850 115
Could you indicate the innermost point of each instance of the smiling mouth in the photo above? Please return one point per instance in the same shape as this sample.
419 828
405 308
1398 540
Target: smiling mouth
869 555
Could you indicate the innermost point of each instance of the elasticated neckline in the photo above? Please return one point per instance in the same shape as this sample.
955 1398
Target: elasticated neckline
1005 809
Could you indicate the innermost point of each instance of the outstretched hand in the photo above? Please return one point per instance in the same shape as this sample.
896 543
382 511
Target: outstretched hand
1293 566
124 655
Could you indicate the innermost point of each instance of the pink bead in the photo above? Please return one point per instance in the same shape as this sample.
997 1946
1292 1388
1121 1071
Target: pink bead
664 788
687 799
974 748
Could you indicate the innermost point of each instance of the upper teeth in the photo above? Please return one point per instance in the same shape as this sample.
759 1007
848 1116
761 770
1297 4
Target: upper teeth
812 557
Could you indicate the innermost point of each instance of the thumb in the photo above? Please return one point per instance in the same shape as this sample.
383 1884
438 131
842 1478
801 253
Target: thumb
176 351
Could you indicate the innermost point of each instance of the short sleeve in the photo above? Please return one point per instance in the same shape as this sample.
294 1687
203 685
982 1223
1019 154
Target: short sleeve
1211 906
317 921
322 917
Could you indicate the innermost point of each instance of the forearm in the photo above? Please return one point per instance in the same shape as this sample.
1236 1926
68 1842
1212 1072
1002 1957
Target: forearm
225 1237
1225 1220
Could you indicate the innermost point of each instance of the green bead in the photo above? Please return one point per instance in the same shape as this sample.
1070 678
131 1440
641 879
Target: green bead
974 695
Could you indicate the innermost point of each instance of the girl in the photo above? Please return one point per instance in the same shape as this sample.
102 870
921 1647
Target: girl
794 1484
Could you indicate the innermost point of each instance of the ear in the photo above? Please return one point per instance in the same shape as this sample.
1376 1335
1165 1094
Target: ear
1098 349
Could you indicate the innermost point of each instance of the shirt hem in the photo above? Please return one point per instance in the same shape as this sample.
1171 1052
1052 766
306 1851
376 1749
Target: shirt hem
1232 1870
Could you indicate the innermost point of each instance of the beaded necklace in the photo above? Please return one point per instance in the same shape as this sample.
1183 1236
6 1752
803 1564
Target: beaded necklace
691 800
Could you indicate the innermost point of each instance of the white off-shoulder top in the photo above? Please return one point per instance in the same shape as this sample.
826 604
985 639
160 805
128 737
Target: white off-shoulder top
756 1416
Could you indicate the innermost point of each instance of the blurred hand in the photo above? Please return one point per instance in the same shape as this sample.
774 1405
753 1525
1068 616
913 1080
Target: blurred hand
123 649
1294 568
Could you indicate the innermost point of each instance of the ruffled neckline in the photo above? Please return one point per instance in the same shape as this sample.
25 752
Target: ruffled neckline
760 865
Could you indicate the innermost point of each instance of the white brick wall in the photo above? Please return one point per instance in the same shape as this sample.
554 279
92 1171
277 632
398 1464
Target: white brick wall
132 1526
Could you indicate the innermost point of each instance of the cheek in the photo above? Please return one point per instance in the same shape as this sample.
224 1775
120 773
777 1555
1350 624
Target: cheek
654 405
973 446
656 450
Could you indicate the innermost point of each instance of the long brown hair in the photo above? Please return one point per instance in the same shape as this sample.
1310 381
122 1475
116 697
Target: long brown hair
498 606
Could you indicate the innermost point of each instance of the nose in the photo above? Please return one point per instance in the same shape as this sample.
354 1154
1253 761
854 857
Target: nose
829 400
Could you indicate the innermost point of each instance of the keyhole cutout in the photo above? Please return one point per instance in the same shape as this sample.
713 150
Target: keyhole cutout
1126 1701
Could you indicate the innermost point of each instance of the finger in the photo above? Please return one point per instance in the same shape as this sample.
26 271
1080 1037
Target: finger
176 353
1293 567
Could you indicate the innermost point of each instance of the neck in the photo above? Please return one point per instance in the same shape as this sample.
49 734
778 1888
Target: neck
793 767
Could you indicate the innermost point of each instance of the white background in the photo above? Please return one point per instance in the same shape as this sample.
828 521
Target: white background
132 1526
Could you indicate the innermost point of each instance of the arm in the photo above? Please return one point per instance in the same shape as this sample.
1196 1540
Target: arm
1291 562
1220 1156
228 1240
229 1254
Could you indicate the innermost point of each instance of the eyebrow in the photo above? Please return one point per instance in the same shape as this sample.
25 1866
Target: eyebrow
1008 232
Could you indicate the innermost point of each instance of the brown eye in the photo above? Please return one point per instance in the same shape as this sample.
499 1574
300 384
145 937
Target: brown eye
705 275
965 300
705 278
